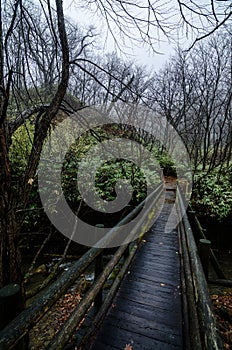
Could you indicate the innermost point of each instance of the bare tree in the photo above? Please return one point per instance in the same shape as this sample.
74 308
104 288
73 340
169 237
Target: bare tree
147 22
100 80
194 92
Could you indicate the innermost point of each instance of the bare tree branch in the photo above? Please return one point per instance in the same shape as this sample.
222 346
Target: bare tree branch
219 25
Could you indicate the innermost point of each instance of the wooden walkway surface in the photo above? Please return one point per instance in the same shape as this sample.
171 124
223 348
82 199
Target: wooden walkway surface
146 313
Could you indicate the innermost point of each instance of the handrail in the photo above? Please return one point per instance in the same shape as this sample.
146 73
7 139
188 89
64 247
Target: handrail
119 226
201 305
22 324
200 232
69 326
78 313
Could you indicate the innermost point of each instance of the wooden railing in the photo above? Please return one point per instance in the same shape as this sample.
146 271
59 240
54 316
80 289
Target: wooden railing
26 320
200 325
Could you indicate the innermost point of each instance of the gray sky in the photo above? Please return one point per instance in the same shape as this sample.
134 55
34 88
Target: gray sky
170 19
137 52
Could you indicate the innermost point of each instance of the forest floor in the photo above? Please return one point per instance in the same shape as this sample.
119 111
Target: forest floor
222 300
223 310
45 330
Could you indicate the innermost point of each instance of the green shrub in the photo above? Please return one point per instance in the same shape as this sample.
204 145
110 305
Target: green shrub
21 147
165 162
107 176
212 195
33 215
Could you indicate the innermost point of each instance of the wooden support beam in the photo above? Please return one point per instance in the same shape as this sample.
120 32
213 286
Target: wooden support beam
97 271
221 282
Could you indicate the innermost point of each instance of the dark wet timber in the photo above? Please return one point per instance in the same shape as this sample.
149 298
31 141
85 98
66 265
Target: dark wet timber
146 313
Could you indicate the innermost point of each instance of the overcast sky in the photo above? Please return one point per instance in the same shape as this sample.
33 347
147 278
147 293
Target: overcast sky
139 53
170 19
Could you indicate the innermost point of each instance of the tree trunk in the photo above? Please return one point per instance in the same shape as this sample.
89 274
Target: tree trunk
9 201
9 258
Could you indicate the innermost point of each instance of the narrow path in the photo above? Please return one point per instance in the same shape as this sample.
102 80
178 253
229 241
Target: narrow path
146 313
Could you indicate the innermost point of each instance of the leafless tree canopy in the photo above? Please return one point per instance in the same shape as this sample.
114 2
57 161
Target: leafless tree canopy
148 21
194 91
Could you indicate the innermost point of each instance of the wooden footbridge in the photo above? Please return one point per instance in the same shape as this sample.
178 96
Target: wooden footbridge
158 300
147 311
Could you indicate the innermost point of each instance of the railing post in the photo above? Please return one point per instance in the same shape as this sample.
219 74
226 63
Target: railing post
127 251
97 272
191 214
11 304
191 217
204 252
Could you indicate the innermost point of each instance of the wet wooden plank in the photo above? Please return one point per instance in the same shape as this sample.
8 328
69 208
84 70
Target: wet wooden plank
136 340
146 305
147 311
145 322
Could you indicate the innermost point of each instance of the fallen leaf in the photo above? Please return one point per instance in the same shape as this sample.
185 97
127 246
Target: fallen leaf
30 181
128 347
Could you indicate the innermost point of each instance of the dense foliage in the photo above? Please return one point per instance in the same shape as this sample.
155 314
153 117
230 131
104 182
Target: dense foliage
212 194
107 176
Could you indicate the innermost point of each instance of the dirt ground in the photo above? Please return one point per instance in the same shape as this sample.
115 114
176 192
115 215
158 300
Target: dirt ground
223 309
